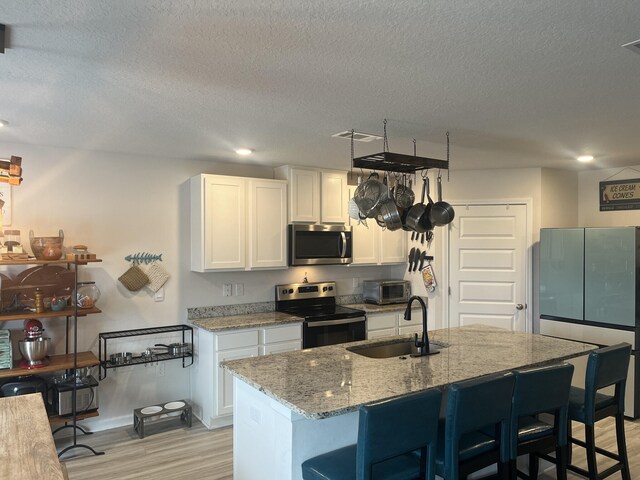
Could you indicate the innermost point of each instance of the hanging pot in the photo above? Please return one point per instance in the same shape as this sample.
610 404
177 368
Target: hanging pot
441 213
369 195
391 215
418 216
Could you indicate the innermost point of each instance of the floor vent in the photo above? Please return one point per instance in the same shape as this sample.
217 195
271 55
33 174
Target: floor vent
358 136
633 46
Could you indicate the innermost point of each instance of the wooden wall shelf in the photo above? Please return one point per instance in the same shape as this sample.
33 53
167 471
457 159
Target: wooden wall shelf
57 363
67 312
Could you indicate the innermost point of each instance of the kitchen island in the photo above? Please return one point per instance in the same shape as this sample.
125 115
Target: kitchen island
292 406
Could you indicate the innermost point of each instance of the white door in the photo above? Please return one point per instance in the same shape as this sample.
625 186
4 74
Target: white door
488 266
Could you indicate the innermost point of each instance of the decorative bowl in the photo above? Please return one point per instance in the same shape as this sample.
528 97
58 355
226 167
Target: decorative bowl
47 248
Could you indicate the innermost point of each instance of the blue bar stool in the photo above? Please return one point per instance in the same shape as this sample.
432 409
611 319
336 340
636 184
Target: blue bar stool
537 391
476 429
606 367
389 433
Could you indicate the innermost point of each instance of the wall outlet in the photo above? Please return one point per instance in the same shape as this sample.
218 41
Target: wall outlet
239 289
159 295
227 290
160 369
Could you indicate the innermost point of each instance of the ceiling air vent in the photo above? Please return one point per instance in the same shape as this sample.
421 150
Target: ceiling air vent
633 46
358 136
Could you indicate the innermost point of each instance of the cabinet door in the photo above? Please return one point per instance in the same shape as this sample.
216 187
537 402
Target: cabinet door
609 277
561 272
267 217
377 321
225 379
304 197
365 240
334 197
385 332
281 347
393 246
218 223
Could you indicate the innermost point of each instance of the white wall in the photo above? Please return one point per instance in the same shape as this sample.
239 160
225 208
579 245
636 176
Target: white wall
588 201
118 205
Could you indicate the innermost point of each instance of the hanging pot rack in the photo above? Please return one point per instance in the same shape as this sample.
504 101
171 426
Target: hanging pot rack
397 162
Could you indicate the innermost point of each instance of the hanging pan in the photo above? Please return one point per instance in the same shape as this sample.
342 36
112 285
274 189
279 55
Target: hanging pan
418 215
441 213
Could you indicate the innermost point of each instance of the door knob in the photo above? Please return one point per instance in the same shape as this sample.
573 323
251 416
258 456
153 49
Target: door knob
520 306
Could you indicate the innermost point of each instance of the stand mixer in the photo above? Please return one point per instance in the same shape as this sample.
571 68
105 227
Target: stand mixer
34 347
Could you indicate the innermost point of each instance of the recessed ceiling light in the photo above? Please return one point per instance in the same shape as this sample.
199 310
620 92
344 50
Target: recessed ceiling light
244 151
585 158
3 123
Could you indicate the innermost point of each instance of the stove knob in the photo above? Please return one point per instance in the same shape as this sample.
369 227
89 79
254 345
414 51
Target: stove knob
291 290
284 291
324 289
330 288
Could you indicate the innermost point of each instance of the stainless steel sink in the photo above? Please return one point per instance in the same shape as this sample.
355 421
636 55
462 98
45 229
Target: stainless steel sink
398 348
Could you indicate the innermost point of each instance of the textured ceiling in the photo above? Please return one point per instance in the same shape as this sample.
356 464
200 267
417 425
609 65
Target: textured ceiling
517 82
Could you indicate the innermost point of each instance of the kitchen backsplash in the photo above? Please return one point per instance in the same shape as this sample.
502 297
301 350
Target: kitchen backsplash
196 313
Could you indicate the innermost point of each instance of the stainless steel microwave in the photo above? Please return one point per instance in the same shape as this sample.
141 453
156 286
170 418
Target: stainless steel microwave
320 245
383 292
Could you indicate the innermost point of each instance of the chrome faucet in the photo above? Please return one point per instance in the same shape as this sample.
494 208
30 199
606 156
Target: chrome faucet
423 344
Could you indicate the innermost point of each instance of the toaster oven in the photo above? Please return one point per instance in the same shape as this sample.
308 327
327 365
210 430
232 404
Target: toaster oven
86 396
383 292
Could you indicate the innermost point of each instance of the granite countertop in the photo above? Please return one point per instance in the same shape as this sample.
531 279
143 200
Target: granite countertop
328 381
250 320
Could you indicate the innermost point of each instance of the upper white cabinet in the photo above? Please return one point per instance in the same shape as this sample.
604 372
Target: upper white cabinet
315 196
334 197
237 223
375 246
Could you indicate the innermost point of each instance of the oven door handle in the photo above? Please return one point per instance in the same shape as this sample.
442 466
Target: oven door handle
325 323
343 245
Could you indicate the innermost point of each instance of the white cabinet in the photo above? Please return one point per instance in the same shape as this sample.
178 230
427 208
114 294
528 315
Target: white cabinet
334 197
381 325
374 246
393 323
212 385
237 223
267 224
280 339
231 346
315 196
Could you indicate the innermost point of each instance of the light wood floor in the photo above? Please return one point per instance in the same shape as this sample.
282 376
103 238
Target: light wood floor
197 453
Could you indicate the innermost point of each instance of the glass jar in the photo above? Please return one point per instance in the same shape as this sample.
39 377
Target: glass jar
12 241
87 296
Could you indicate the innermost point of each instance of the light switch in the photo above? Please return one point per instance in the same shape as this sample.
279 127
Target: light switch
239 287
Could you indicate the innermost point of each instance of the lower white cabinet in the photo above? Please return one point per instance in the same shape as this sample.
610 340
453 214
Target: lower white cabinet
393 323
211 385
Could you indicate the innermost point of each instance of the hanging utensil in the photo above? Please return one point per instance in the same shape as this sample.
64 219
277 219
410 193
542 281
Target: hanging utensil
422 257
416 259
410 260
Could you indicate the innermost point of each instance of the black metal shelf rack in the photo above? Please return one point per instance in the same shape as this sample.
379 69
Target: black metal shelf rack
187 337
